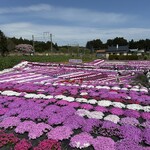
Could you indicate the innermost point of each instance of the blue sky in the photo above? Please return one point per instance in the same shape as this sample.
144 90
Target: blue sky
75 21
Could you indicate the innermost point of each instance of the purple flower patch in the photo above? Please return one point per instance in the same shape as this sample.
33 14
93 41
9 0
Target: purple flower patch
103 143
60 133
116 111
146 136
81 140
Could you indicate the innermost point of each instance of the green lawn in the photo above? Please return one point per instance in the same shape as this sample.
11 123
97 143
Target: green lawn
10 61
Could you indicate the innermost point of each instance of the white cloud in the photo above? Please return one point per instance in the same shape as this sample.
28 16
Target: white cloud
71 35
76 15
27 9
84 15
78 25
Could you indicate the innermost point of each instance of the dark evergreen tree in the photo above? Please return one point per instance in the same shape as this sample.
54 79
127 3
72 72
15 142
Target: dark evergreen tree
117 41
120 41
141 44
133 44
147 45
56 47
94 45
3 44
109 42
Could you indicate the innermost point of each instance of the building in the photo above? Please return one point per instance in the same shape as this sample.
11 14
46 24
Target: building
117 50
134 51
101 53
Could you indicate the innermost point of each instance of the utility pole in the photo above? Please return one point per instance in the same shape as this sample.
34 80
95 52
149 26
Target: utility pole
48 35
71 51
51 43
33 44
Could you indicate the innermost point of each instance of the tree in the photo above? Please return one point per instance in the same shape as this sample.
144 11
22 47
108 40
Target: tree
97 44
117 41
25 49
120 41
133 44
94 45
89 45
109 42
56 47
3 44
141 44
10 45
147 45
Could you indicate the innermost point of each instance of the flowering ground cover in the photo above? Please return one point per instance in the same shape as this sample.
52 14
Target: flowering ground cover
65 106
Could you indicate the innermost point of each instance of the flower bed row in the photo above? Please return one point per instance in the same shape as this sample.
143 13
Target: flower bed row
66 118
13 142
98 92
34 105
105 103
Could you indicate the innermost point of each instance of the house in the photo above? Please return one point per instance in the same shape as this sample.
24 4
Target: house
140 52
134 51
101 53
117 50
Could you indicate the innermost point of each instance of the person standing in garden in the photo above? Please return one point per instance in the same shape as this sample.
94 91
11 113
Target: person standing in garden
117 77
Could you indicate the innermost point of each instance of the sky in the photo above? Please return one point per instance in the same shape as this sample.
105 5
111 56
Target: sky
73 22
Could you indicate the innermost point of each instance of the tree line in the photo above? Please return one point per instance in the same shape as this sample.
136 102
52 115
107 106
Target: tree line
8 44
98 44
39 46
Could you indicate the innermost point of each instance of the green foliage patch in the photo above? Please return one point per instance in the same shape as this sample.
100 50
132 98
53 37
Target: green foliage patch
10 61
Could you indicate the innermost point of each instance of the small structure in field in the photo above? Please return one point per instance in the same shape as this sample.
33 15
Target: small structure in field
101 53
